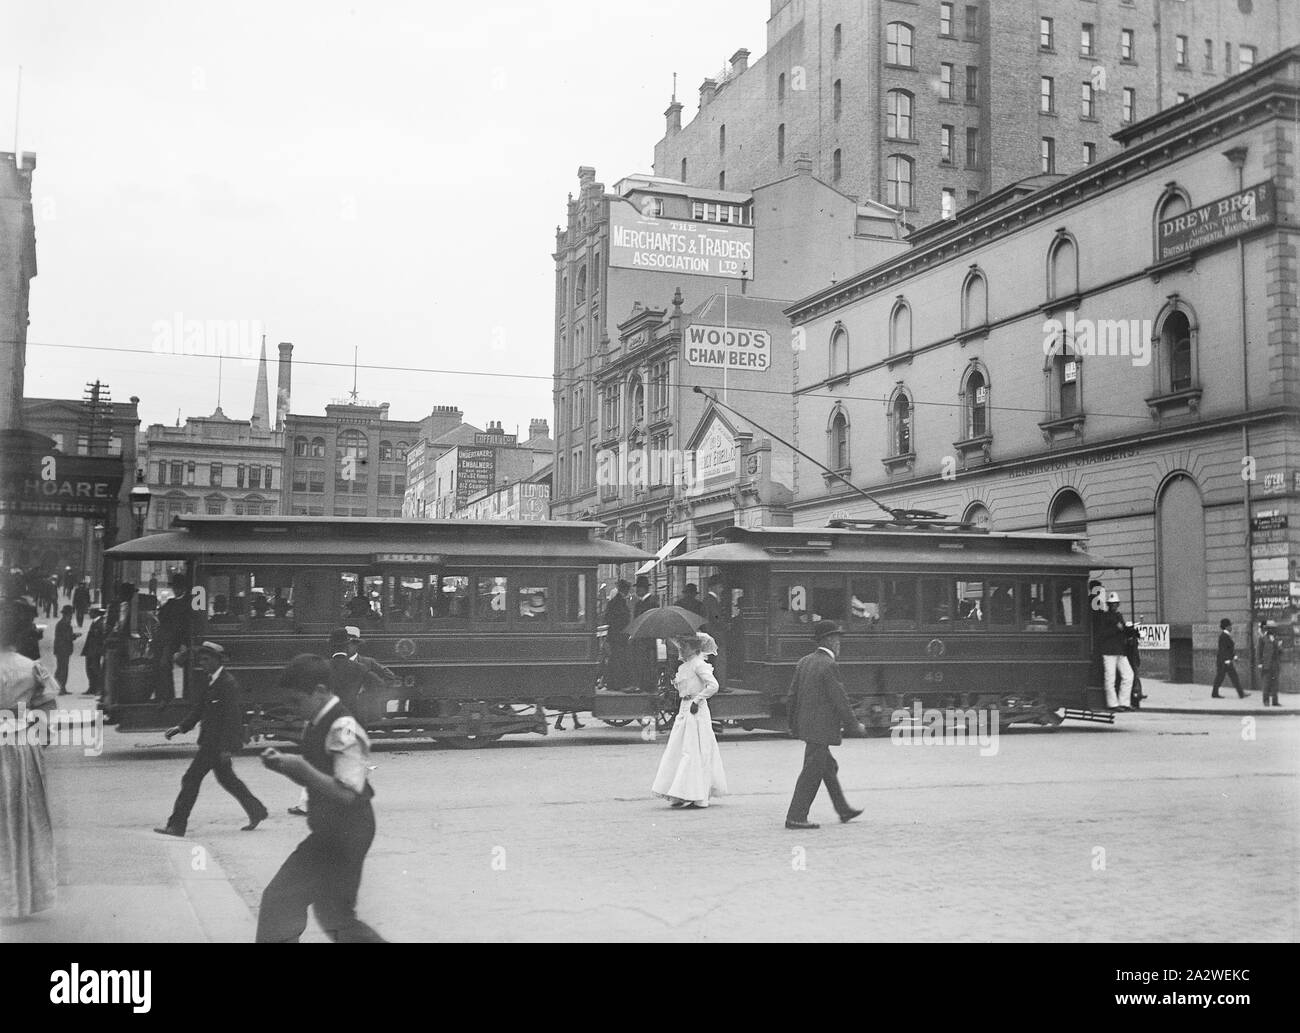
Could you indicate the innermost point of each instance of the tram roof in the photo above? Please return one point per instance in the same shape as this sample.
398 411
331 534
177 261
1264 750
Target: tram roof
361 539
834 547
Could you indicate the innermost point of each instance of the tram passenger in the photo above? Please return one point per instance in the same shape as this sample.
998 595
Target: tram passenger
1112 643
324 872
173 634
717 623
618 615
645 654
353 649
690 599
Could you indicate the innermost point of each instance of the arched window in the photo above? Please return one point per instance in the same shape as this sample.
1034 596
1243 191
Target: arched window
659 534
1063 369
898 44
977 515
898 115
898 181
975 404
1176 345
1067 514
1062 267
300 447
722 141
780 87
402 447
633 535
839 357
837 40
683 170
901 438
974 300
1174 201
636 400
837 441
837 99
780 142
900 328
318 448
385 451
837 165
353 443
580 289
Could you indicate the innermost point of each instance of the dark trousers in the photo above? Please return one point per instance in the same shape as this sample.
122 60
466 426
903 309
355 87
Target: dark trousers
80 615
1226 669
95 673
164 689
325 873
818 767
1270 687
61 670
206 760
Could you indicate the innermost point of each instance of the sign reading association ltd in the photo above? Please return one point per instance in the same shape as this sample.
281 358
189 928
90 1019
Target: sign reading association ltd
645 242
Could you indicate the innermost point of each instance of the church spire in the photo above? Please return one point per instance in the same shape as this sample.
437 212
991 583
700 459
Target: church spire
262 395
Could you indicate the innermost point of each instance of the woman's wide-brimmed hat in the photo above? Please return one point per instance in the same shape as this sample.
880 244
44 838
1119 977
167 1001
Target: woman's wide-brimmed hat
823 628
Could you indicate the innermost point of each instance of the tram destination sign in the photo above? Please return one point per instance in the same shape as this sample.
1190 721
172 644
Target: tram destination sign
1228 217
651 244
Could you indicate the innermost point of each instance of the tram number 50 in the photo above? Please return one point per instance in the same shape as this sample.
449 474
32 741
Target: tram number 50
934 677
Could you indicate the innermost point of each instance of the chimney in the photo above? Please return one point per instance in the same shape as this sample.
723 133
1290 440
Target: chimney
674 116
538 429
383 410
283 378
803 165
708 89
586 174
739 61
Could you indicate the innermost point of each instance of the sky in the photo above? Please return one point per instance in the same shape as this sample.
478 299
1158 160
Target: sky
385 177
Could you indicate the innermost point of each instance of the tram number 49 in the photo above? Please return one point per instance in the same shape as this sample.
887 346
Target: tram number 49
934 677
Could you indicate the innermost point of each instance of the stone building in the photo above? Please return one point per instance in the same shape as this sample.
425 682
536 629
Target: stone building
930 105
1114 353
17 267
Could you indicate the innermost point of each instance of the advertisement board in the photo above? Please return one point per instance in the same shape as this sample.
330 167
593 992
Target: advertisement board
1228 217
1153 636
644 242
475 471
734 347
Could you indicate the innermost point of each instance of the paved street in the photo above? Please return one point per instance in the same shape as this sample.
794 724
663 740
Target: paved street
1164 827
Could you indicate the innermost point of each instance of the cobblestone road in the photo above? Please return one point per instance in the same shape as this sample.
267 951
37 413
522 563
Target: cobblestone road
1164 827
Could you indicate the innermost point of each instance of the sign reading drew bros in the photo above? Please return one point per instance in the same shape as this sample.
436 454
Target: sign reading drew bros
1223 219
639 241
728 347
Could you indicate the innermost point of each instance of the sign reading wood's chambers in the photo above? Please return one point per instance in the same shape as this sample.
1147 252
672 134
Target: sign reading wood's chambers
719 347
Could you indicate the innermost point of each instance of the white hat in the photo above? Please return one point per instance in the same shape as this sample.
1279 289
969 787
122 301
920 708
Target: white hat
1113 597
353 632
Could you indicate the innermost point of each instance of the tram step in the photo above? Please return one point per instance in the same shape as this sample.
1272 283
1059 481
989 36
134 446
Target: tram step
1100 717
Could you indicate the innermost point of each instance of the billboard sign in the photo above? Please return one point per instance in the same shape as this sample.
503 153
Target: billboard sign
1153 636
1224 219
476 470
734 347
716 455
647 243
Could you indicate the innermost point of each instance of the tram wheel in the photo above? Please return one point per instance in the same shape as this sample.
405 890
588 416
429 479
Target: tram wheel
470 742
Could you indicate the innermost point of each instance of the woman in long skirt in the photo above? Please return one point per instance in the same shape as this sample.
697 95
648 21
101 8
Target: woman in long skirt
691 769
27 877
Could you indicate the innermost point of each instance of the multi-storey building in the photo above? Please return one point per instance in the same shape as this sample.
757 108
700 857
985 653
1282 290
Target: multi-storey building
490 460
1115 353
636 270
930 105
17 267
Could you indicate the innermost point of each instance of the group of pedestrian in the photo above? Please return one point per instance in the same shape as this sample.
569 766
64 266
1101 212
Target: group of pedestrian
691 773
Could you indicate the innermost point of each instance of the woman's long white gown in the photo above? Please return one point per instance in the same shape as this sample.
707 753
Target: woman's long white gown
691 767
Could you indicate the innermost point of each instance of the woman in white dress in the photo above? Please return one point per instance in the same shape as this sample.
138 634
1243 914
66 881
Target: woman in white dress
691 769
27 876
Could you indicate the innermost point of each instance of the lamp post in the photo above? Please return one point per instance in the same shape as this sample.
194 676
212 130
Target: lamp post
96 561
140 498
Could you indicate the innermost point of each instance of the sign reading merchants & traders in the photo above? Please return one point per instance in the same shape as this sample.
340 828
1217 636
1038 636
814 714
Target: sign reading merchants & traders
639 241
1228 217
730 347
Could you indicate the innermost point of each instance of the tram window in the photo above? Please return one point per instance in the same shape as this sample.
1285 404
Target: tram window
936 600
451 600
490 598
405 597
533 603
791 602
864 603
970 603
1069 596
227 593
312 596
1037 606
270 594
1002 601
572 598
361 596
898 602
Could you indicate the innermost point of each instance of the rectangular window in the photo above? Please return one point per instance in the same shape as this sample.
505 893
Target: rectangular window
1182 98
1129 104
897 603
970 604
1089 153
1068 603
1245 58
1209 55
533 603
189 473
1086 40
316 482
1126 44
1038 606
1227 59
780 142
1088 101
240 471
972 148
1047 151
972 196
451 599
490 598
947 203
945 144
214 475
300 480
1046 95
1180 51
945 82
697 210
1000 603
972 22
864 603
571 599
1046 40
972 84
178 473
945 19
936 602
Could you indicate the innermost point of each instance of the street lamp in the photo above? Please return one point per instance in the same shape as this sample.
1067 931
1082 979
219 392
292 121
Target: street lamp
141 496
96 560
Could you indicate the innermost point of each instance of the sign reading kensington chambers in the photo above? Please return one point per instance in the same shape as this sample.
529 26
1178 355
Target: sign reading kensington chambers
1223 219
639 241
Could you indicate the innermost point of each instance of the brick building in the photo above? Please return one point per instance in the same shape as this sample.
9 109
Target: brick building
17 267
1115 353
480 464
929 105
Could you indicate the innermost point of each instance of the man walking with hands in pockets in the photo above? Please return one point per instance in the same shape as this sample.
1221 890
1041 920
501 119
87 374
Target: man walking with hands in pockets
819 711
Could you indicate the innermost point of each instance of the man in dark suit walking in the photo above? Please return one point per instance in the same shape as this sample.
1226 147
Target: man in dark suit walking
819 711
1226 661
1270 662
93 652
64 636
220 716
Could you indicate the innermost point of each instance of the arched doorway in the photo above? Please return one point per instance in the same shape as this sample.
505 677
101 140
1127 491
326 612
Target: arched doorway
1180 568
1067 514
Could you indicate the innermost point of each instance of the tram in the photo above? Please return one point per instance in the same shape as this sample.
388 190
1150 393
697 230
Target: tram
940 614
484 623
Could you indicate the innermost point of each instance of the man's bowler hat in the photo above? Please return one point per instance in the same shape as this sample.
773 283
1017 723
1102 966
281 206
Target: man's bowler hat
823 628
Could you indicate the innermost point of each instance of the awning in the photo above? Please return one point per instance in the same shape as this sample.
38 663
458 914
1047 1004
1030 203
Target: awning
661 555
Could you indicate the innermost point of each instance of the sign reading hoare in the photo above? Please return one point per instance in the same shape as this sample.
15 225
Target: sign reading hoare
1219 220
